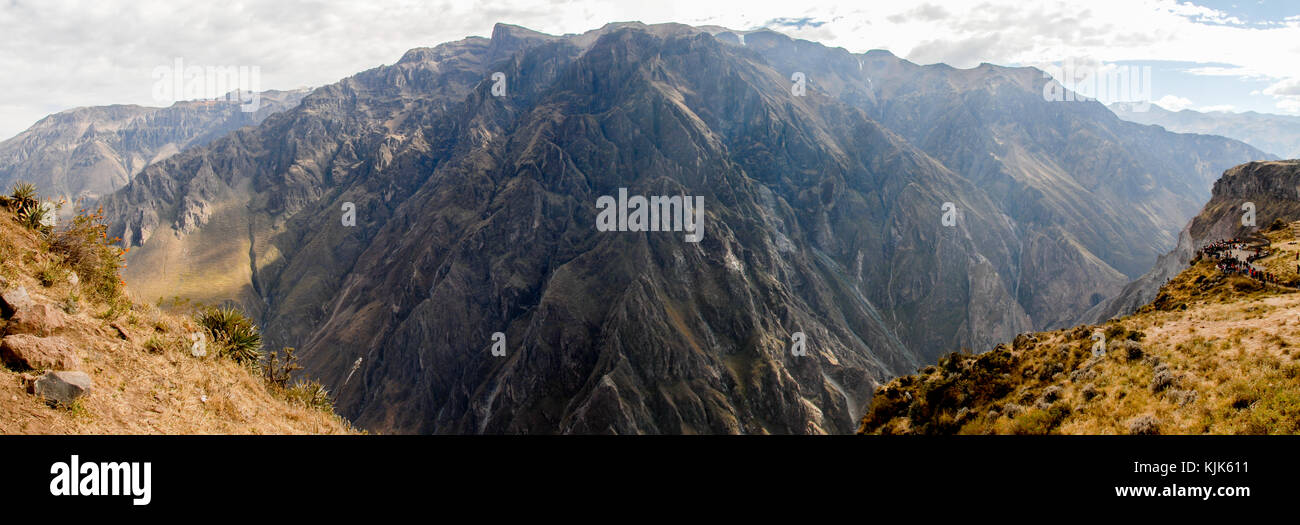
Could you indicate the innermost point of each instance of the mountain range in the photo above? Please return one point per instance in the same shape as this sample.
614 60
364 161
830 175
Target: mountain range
881 211
1278 135
92 151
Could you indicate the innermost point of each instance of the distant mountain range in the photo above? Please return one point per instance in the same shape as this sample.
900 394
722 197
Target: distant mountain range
888 214
1275 134
92 151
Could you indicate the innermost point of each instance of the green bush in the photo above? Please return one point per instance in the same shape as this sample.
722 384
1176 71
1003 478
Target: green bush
311 394
87 250
233 333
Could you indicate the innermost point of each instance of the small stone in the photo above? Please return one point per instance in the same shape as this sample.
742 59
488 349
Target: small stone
62 387
39 319
121 332
23 351
11 301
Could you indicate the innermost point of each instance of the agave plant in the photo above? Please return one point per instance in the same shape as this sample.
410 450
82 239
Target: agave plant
312 394
30 210
234 333
23 194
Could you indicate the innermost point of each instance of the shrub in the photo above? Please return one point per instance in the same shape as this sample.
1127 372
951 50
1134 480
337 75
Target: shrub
155 344
1162 378
1132 349
71 304
311 394
234 334
1144 425
49 273
1050 394
1042 420
280 369
87 250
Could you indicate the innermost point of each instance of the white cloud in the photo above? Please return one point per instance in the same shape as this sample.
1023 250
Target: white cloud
1286 94
1173 103
59 54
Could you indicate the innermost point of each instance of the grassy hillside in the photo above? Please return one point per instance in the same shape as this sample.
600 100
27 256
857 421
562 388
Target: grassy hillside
146 378
1213 354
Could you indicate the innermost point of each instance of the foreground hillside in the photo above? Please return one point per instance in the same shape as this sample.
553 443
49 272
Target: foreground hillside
1214 353
136 360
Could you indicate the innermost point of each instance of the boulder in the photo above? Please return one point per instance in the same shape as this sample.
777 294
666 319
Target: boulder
25 351
38 319
62 387
11 301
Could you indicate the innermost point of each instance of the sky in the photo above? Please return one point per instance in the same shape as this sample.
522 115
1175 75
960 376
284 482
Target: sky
1207 55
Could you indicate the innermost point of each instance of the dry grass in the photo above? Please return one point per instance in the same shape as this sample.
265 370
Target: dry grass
1219 355
149 384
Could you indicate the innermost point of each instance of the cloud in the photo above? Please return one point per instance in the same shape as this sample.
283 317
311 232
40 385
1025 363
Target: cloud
1173 103
1221 71
58 54
1286 94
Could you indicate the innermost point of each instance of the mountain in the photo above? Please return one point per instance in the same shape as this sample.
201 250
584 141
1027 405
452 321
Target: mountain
824 217
1094 199
1276 134
92 151
1212 353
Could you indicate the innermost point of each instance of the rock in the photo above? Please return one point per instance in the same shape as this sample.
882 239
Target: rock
38 319
11 301
25 351
73 279
121 332
62 387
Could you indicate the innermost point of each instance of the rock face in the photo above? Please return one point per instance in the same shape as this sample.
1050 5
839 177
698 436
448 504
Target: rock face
92 151
62 387
24 351
1272 187
824 215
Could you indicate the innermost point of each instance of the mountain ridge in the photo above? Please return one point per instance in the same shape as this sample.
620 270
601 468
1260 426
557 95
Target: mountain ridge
474 217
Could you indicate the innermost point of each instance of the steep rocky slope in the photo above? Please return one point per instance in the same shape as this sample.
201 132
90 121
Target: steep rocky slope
823 215
1213 353
134 359
1093 199
92 151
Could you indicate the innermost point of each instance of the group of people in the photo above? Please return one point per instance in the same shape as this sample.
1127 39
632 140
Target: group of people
1228 262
